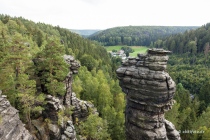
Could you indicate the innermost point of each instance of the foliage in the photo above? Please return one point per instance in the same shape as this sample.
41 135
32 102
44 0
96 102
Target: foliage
191 42
106 95
134 50
127 50
94 128
51 67
32 65
173 114
205 93
88 61
191 94
135 35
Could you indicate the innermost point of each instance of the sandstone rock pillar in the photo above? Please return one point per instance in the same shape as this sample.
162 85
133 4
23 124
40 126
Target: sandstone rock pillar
149 93
73 67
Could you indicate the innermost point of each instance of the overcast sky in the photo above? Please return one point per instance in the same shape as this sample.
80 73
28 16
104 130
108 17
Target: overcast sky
102 14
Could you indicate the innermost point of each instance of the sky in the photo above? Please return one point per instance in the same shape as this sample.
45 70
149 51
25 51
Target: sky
103 14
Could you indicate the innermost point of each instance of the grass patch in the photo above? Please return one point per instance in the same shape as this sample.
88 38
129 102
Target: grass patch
137 49
110 48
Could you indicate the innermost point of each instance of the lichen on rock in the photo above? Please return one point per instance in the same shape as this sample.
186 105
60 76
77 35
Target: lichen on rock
149 93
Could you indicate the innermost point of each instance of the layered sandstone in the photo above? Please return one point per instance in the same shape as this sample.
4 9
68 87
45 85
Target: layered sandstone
11 127
149 93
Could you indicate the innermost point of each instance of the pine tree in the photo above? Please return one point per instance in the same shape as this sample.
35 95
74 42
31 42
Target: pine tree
51 67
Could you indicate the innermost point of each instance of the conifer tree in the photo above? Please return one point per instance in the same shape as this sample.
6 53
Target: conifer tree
51 67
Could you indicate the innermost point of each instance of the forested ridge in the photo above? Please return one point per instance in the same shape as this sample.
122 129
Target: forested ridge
136 35
189 68
31 55
191 41
32 65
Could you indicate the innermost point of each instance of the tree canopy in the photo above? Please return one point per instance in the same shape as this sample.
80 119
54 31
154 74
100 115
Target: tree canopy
136 35
32 65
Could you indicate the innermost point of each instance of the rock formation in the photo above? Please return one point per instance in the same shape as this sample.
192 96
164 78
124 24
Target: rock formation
149 93
64 131
73 68
81 108
61 126
55 121
11 127
69 132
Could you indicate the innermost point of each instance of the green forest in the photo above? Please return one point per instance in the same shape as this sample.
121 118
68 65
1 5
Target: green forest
31 56
136 35
189 67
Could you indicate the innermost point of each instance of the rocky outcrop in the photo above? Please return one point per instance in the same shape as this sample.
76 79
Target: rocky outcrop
73 69
11 127
53 106
81 108
65 130
172 133
149 93
69 132
55 121
60 112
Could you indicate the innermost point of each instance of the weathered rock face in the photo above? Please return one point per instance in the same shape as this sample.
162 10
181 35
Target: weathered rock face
73 67
56 126
149 93
69 132
80 109
11 128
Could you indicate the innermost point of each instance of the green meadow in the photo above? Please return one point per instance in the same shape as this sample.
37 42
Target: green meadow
137 49
110 48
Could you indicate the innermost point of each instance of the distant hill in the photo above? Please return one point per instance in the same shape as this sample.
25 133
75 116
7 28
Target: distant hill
84 32
193 41
136 35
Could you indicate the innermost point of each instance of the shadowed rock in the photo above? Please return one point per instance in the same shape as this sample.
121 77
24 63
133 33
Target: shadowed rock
11 127
149 93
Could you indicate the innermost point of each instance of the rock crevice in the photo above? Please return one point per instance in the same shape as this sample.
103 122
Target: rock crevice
149 93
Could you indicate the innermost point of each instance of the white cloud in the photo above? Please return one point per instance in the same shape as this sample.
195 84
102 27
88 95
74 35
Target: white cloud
101 14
